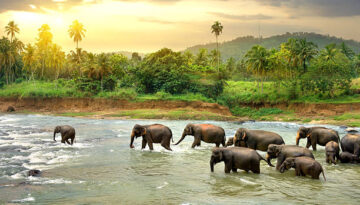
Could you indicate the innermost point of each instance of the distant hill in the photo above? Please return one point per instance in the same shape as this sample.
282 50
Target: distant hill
238 47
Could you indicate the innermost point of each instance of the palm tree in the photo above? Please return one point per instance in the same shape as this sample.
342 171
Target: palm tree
217 28
257 62
30 59
77 32
11 29
329 52
104 67
7 58
347 51
306 51
90 66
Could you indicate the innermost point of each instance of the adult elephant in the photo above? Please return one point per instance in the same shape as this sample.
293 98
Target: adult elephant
281 152
257 139
317 135
67 132
237 158
155 133
204 132
351 143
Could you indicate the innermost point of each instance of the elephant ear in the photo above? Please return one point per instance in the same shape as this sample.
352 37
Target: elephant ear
143 131
244 135
191 129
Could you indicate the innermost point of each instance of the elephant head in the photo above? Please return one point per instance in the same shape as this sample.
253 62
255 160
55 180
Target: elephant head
230 142
57 130
188 130
240 135
273 151
287 164
137 131
302 133
216 157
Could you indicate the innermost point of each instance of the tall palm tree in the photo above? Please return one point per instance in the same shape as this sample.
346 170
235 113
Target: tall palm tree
329 52
306 51
77 32
30 59
11 29
7 58
104 67
217 28
257 62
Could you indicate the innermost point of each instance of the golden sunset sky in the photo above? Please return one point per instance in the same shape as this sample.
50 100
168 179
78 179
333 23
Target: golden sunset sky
148 25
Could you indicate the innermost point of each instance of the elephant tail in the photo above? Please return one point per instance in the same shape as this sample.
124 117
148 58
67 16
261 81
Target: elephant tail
267 161
172 137
323 174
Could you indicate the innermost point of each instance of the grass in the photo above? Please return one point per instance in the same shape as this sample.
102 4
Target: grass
77 114
181 114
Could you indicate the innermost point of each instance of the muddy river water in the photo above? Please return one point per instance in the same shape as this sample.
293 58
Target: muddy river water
101 168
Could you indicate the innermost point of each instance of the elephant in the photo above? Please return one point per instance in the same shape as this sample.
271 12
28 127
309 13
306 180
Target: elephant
230 142
347 157
155 133
34 173
351 143
317 135
332 150
281 152
10 109
257 139
303 166
205 132
67 132
236 158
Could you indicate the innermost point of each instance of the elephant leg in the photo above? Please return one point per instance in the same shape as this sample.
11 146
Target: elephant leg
234 170
223 143
62 139
151 145
217 144
280 160
313 144
228 167
166 144
67 140
197 142
72 140
143 145
308 143
297 172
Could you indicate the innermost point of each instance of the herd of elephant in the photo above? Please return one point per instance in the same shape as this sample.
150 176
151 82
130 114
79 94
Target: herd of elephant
239 152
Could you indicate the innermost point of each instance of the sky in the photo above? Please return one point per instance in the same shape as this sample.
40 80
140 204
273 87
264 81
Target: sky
149 25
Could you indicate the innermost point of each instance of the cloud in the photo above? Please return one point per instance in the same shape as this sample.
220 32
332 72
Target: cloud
40 5
241 17
155 20
326 8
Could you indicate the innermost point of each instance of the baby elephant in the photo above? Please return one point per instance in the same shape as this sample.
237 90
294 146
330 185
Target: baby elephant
67 132
347 157
236 158
332 152
303 166
230 142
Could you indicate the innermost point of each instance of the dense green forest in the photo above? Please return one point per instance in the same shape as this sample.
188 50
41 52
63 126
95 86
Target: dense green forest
238 47
294 70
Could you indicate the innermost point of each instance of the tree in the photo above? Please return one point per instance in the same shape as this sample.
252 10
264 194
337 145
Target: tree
77 32
347 51
7 58
217 28
103 66
257 62
11 29
306 51
329 52
43 44
30 60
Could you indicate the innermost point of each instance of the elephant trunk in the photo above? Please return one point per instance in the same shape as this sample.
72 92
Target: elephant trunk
297 138
54 135
212 163
268 160
332 158
181 139
132 139
282 169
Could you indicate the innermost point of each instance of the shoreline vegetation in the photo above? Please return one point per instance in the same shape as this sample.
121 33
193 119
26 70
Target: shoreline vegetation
295 81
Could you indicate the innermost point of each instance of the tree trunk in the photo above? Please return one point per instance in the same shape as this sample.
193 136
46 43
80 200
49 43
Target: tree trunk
218 54
101 81
262 86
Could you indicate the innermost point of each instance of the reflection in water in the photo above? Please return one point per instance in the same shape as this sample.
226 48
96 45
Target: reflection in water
101 168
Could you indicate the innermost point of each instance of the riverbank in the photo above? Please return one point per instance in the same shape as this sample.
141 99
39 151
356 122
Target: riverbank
347 114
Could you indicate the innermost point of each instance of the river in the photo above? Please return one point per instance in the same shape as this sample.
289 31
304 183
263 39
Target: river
101 168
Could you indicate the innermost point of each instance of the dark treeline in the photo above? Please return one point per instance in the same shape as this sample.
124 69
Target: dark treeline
297 66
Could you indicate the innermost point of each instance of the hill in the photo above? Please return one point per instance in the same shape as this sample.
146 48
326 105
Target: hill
238 47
